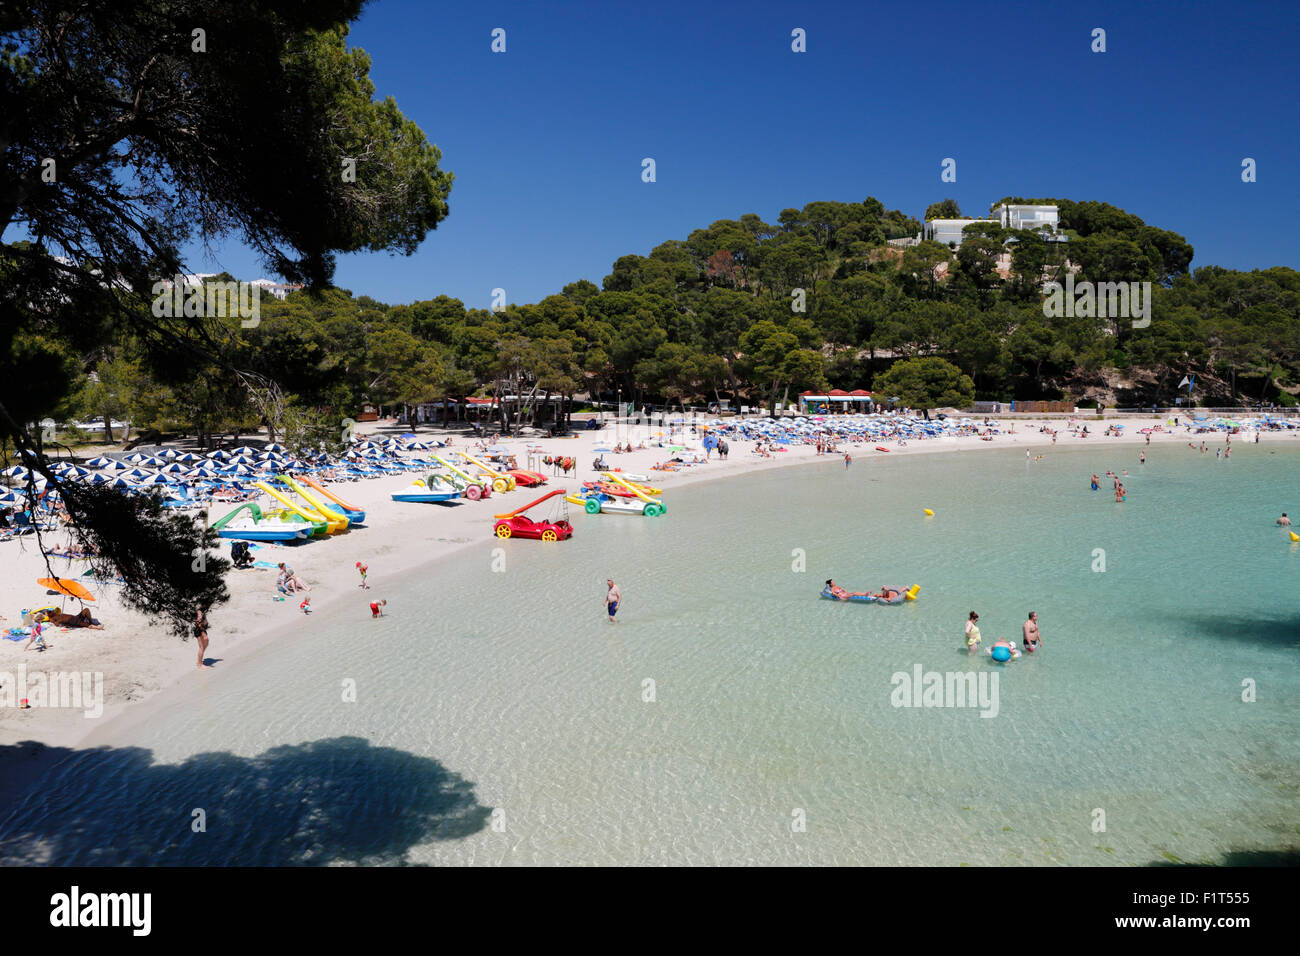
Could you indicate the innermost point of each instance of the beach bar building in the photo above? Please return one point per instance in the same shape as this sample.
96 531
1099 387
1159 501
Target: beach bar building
836 401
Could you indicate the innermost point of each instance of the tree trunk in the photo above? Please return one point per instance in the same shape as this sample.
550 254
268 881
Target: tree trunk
108 429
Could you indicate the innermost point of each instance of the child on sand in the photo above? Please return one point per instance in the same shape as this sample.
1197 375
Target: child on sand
363 569
305 606
37 637
377 608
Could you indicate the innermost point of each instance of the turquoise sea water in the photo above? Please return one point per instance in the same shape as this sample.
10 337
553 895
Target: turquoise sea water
500 719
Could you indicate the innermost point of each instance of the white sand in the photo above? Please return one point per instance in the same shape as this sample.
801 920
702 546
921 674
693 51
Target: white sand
138 659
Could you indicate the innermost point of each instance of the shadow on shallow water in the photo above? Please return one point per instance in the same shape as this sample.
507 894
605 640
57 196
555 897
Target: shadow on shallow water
1247 628
329 801
1243 858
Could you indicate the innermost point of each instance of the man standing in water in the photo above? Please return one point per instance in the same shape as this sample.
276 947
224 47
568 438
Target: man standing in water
1284 521
1029 632
612 598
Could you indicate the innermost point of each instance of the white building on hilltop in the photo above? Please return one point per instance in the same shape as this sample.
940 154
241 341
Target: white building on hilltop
277 289
1046 219
948 231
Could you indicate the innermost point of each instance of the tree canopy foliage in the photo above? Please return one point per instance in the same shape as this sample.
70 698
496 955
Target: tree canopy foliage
125 131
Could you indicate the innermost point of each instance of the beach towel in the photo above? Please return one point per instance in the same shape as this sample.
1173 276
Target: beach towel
265 564
17 633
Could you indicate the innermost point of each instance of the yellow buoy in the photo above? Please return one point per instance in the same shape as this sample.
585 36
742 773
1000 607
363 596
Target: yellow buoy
911 592
929 512
1294 536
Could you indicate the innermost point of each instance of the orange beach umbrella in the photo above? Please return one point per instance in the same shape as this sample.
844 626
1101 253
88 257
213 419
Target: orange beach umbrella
65 586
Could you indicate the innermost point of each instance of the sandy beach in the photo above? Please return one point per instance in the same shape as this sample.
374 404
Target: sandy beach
139 660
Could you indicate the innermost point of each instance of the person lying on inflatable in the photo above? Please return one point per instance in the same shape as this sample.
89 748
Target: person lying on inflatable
1003 650
843 595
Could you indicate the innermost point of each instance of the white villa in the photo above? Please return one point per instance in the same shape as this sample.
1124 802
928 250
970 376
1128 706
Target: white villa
1044 219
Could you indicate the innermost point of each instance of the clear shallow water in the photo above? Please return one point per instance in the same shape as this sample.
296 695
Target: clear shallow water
500 719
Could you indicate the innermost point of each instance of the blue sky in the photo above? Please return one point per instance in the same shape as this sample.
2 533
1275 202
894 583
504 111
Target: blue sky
546 139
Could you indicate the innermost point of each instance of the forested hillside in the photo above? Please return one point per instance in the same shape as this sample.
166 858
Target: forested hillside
744 310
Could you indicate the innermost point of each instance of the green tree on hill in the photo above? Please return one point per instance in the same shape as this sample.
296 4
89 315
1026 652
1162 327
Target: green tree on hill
927 383
944 209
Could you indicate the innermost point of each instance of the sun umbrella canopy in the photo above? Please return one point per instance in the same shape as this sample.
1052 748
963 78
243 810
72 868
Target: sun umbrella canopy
66 586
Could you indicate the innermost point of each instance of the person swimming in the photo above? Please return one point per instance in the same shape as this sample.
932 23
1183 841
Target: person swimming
1095 486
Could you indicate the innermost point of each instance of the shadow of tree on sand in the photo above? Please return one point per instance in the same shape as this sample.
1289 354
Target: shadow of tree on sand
328 801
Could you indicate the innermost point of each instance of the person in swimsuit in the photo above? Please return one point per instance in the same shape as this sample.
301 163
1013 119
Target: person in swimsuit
843 595
972 633
1009 645
612 599
1029 632
201 632
1284 521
